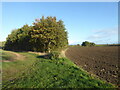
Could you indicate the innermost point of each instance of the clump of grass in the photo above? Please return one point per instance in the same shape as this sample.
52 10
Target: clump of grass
54 55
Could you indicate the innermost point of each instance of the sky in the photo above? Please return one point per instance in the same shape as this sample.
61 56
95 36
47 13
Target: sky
84 21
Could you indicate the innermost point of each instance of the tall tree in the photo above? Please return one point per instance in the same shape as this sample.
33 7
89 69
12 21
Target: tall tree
49 34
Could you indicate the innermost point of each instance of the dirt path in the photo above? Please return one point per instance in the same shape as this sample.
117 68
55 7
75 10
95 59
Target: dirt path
63 53
39 53
16 57
101 61
5 61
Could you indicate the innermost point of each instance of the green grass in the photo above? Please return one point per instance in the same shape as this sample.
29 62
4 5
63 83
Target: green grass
37 72
14 69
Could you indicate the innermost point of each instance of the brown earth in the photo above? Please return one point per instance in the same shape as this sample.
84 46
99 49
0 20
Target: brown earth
101 61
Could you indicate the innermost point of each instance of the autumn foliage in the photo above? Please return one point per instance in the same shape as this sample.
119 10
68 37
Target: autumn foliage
45 35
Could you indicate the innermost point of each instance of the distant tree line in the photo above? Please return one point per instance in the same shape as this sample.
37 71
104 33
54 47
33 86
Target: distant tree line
86 43
45 35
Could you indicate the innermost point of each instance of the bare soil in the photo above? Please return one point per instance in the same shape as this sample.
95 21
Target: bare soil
101 61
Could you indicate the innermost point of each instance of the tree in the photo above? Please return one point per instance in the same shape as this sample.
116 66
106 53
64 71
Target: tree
46 35
86 43
19 39
49 34
11 40
2 43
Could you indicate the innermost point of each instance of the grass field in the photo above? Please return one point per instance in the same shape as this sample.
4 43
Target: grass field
36 72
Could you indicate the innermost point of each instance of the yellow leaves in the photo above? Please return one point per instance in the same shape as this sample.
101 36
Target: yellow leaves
37 20
42 32
35 36
34 30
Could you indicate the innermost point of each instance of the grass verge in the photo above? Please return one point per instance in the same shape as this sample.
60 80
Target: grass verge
45 73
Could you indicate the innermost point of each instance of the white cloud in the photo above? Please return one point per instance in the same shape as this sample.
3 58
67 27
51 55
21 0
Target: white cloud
105 35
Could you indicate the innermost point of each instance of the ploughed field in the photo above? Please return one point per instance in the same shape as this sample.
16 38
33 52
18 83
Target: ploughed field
101 61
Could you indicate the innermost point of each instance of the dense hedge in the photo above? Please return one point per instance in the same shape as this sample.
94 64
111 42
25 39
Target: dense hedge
45 35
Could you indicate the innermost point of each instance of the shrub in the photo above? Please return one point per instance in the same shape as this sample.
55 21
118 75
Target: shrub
54 55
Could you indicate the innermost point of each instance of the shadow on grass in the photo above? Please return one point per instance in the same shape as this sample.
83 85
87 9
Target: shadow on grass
17 50
44 56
